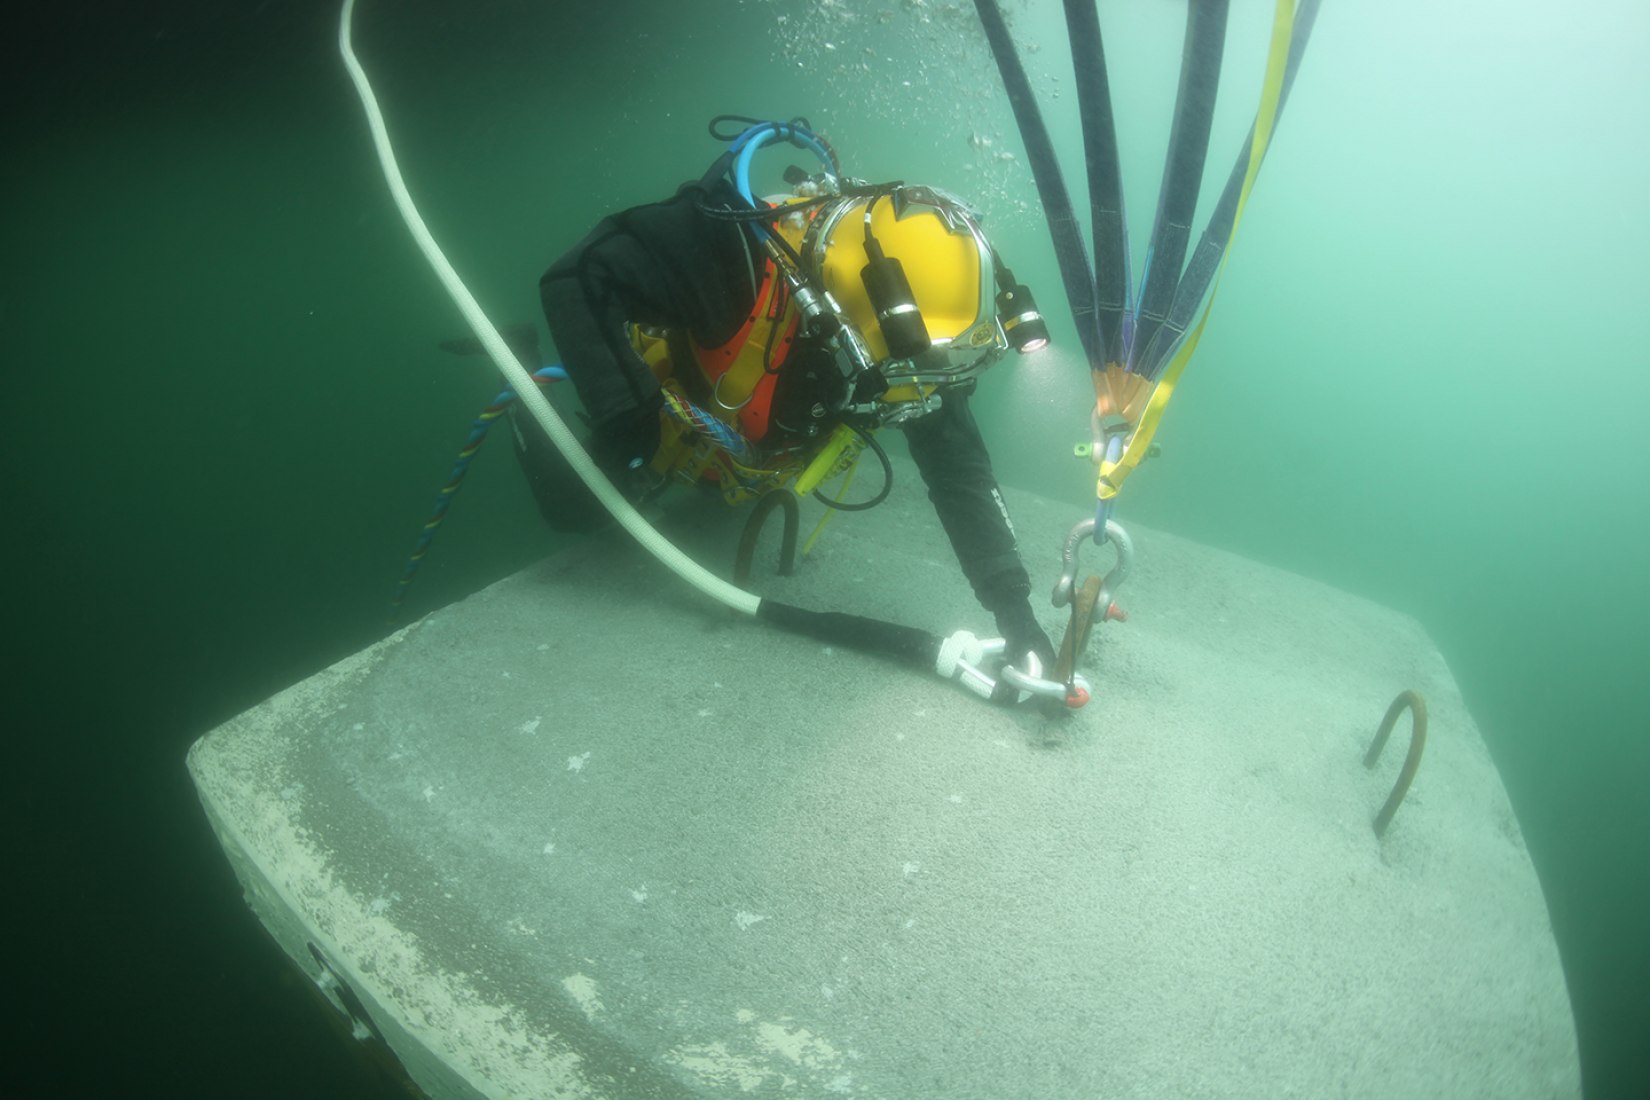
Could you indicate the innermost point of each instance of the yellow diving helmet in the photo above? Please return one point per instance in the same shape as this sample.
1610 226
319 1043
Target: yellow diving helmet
913 274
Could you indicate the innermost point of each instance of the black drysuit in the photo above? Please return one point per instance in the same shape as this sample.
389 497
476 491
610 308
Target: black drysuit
670 265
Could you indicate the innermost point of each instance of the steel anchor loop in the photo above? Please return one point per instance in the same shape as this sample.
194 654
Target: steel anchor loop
1033 685
1065 587
963 658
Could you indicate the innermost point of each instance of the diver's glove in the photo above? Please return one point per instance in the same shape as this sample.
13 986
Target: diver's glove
1022 634
627 439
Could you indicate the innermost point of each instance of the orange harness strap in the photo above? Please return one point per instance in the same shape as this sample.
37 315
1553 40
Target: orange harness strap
740 381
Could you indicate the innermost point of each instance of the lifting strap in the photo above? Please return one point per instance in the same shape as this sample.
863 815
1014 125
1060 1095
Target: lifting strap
1137 349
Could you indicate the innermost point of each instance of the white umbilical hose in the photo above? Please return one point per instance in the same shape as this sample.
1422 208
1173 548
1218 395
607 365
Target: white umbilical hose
527 391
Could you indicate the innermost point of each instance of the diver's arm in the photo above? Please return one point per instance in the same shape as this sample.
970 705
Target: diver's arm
588 295
951 455
668 265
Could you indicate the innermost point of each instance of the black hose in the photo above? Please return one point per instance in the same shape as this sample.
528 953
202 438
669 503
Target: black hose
1217 235
905 644
1105 175
1069 251
887 478
761 213
1194 110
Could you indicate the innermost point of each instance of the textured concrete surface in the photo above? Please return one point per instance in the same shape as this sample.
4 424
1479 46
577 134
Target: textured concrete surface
583 835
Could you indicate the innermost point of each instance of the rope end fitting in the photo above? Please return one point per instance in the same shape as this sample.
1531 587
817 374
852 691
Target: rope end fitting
963 657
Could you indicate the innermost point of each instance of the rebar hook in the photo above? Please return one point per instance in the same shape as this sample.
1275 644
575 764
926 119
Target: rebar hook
1417 707
767 502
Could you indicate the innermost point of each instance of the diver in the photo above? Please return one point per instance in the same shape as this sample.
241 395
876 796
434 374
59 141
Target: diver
841 305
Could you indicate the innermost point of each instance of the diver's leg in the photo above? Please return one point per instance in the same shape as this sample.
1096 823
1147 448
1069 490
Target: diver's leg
563 498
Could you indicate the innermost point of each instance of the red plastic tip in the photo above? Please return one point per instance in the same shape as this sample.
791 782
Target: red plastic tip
1076 697
1116 614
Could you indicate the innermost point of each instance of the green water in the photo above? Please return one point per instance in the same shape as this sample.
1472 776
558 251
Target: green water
1423 381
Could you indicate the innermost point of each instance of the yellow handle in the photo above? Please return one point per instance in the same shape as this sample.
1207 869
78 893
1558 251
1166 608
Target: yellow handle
824 462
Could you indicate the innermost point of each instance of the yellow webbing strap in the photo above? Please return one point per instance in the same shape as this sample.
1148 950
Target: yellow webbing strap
1113 474
819 528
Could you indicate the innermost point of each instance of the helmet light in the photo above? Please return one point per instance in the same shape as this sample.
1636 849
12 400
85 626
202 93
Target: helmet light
1022 323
